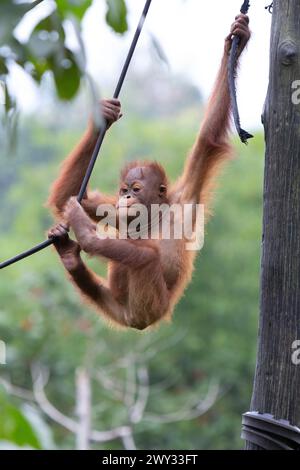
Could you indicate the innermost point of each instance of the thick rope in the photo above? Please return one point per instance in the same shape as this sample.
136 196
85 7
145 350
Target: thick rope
244 135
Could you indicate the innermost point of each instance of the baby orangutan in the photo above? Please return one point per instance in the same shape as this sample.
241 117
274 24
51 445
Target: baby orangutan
146 277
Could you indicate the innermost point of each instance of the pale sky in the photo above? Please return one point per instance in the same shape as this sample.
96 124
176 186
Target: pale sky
191 33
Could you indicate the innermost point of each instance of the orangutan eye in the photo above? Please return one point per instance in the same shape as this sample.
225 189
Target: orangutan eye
136 189
162 188
123 190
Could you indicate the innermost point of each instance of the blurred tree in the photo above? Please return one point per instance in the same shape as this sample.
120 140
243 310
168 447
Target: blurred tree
129 387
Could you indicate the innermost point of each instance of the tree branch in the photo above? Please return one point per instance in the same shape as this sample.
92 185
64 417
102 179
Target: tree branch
39 383
16 391
187 414
137 411
128 442
83 408
39 380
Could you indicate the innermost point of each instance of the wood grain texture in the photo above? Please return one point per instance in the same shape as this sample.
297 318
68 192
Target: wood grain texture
277 379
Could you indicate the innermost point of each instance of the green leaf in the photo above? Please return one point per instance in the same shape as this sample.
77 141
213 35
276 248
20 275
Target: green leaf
3 67
116 15
9 99
51 24
45 44
15 427
39 68
75 7
66 75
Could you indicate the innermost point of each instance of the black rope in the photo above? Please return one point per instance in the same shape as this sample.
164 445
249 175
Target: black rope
98 145
244 135
270 8
116 95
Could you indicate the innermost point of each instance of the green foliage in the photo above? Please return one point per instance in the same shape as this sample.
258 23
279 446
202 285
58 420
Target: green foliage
11 13
15 427
116 15
74 7
45 50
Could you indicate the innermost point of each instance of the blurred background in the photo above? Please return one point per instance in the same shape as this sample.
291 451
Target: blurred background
70 381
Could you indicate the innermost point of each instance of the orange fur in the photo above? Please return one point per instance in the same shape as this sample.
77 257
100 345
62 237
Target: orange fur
146 278
155 166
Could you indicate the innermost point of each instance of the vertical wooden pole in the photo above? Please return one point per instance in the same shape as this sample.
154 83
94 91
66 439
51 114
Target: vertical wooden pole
277 378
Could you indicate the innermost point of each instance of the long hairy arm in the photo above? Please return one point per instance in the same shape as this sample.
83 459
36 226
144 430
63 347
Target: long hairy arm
74 167
212 146
71 173
92 288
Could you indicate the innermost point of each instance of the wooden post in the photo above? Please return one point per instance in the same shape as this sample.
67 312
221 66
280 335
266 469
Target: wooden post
277 378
